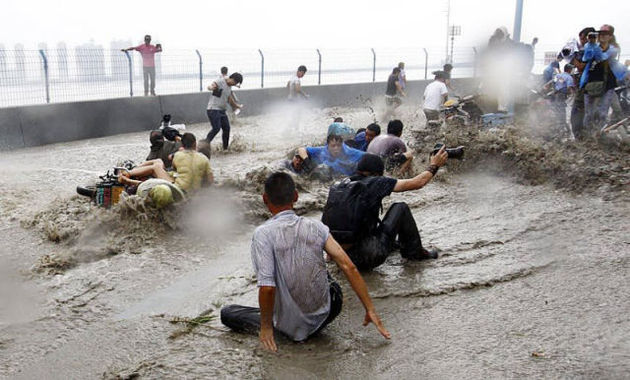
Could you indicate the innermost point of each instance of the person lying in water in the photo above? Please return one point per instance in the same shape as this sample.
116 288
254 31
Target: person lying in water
296 295
192 169
336 155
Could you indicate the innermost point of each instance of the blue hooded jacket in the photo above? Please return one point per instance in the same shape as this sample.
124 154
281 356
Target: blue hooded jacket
345 163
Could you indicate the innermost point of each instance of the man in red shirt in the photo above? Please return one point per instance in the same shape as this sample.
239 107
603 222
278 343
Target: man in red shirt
148 62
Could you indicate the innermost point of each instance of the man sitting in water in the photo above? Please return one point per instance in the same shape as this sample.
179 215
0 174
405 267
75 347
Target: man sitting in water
353 207
336 155
192 169
391 148
296 295
294 165
363 138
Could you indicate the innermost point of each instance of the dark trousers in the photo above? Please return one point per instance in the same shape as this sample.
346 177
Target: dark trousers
247 319
577 115
219 121
149 73
371 251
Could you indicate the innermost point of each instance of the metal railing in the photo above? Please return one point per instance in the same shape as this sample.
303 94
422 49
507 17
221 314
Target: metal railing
64 75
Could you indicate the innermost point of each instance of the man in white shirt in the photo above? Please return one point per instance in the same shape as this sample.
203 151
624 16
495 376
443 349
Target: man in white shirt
435 94
295 85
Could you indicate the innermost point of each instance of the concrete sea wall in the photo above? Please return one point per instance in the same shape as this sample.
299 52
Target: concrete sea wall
36 125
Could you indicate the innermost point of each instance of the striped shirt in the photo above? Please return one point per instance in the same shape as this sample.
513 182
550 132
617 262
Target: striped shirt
287 253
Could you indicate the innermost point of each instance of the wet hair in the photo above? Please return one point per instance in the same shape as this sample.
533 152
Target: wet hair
586 31
568 68
188 140
396 70
375 128
156 137
333 138
338 120
302 68
224 70
280 188
448 67
237 77
395 127
372 164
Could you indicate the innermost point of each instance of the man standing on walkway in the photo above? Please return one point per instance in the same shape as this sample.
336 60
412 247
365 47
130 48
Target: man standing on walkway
295 85
221 90
148 62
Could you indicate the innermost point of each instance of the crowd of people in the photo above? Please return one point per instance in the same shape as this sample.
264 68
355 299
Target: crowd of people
297 297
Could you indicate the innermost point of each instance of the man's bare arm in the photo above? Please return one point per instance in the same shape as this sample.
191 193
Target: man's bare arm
213 86
233 102
399 88
351 272
423 178
266 296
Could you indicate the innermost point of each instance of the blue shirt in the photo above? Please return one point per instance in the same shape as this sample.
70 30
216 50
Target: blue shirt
345 163
362 143
563 82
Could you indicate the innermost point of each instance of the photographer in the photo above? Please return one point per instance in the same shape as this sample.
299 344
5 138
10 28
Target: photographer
600 76
222 95
148 62
353 207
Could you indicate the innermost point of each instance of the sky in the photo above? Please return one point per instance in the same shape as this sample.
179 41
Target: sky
292 24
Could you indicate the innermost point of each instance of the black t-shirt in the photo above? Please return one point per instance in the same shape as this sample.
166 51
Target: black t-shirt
378 187
391 85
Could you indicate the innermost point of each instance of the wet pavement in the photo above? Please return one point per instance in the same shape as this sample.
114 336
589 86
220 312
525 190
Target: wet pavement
532 280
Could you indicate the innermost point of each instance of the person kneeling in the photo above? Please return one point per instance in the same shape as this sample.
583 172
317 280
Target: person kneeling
296 295
352 213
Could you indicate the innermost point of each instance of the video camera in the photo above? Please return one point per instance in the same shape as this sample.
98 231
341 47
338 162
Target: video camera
592 36
453 153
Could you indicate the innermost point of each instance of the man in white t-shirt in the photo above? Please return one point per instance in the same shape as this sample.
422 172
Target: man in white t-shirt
435 95
295 85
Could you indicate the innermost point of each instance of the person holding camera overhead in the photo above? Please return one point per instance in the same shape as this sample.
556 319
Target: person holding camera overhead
221 90
148 62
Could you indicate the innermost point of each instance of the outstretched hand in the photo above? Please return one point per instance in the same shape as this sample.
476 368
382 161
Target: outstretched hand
440 157
370 316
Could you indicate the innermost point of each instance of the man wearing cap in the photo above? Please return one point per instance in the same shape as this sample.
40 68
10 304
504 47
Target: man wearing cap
148 62
221 90
435 94
377 238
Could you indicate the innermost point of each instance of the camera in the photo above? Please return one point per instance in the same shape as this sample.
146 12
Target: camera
217 92
456 153
592 35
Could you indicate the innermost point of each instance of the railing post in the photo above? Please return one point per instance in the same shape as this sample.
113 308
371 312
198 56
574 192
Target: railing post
45 63
475 63
373 65
130 73
426 63
319 69
262 69
200 71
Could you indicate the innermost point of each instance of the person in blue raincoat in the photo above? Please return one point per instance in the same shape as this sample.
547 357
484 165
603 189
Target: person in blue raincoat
336 155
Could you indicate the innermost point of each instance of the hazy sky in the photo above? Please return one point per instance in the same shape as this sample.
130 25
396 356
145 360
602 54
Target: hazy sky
298 24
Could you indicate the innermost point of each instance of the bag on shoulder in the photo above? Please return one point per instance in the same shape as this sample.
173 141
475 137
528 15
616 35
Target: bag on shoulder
595 88
347 211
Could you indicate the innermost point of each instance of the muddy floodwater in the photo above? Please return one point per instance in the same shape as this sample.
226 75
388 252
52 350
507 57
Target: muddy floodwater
533 278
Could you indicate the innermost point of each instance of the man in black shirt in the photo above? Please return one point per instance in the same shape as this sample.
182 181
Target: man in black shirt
163 149
393 92
375 241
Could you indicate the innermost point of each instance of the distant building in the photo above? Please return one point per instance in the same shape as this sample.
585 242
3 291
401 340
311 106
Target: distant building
62 60
90 62
117 60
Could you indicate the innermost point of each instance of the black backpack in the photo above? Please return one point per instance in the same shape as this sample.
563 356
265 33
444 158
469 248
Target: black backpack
349 213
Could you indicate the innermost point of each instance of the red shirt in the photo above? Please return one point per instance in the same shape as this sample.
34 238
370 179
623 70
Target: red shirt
148 54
